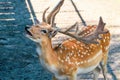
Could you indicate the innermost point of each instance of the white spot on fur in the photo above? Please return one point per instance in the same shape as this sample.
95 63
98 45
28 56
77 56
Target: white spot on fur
60 51
71 53
67 58
88 32
88 54
82 56
78 42
82 62
107 47
62 61
78 54
84 53
65 48
72 47
104 40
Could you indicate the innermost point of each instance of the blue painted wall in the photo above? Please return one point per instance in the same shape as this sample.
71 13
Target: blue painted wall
18 59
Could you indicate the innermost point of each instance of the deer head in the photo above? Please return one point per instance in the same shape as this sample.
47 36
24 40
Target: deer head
38 32
45 29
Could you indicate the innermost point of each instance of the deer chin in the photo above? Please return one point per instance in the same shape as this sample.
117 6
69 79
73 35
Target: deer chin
37 40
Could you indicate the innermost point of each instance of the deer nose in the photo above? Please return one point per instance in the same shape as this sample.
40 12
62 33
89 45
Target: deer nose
27 30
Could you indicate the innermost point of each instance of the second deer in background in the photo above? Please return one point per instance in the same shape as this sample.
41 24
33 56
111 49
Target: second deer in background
78 55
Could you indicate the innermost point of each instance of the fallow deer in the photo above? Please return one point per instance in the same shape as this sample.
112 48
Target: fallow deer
80 54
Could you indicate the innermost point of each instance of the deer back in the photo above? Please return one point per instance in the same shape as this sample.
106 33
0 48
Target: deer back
74 54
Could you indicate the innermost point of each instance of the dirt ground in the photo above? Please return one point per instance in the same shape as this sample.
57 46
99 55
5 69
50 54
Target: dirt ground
90 10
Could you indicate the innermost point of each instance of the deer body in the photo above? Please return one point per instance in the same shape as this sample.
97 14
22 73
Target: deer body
74 56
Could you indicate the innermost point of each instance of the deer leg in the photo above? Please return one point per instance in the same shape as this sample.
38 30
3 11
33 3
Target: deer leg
73 77
96 73
104 70
60 78
54 78
103 65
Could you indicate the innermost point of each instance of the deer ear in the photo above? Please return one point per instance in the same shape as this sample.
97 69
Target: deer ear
52 33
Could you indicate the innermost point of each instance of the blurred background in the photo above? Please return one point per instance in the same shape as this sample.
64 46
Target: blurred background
18 58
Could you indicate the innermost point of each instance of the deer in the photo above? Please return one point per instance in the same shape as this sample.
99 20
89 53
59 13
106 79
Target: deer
84 52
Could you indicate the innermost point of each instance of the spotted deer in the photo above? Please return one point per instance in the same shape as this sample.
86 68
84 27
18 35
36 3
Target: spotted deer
80 54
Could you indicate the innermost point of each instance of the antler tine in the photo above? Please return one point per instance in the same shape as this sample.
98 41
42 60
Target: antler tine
92 38
73 36
54 12
100 27
53 17
73 26
43 17
99 30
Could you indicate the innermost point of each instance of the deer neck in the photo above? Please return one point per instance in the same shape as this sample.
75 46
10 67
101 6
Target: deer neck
47 53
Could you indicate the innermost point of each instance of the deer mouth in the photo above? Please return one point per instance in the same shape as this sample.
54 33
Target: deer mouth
27 31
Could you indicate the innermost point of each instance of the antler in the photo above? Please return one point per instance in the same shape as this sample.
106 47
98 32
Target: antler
43 17
51 17
91 38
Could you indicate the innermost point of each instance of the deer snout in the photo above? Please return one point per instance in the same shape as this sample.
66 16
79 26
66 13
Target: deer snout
27 31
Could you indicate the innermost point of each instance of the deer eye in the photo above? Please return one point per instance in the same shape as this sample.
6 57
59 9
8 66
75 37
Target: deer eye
44 31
